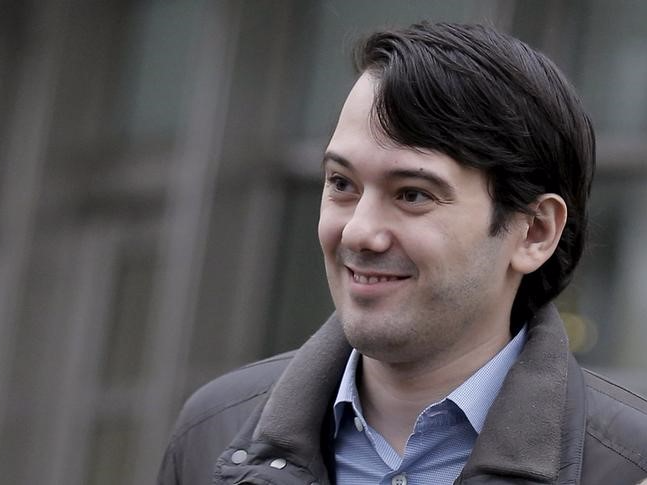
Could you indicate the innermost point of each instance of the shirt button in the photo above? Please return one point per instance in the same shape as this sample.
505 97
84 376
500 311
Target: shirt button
238 457
399 480
358 424
279 463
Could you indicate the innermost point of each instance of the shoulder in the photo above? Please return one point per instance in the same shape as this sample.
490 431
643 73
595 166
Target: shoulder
213 416
617 419
231 390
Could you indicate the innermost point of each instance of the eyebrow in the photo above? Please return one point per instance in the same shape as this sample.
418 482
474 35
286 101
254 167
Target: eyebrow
446 190
334 157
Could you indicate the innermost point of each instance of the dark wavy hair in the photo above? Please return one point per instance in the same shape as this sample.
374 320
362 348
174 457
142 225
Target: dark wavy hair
490 102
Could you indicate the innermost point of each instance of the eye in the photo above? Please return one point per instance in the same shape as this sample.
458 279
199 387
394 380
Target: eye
339 183
414 196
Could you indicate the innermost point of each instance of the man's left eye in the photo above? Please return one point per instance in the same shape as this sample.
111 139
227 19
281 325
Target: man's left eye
413 196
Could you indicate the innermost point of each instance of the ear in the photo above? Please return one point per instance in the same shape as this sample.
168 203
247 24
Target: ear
540 233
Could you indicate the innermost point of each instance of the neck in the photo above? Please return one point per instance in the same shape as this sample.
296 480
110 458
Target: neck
394 394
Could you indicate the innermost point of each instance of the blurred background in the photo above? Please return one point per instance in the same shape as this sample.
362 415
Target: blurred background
159 191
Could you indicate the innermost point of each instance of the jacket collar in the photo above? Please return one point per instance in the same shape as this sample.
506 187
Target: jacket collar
294 414
534 429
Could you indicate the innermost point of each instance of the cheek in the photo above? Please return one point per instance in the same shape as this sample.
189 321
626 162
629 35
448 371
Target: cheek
424 244
329 230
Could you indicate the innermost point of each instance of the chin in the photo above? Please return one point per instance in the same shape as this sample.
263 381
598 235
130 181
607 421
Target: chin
376 336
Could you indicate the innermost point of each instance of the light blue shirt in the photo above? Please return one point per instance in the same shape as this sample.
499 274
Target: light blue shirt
442 437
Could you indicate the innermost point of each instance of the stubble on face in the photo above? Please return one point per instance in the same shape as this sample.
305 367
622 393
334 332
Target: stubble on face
434 318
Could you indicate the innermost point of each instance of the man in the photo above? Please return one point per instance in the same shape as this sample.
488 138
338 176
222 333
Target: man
454 210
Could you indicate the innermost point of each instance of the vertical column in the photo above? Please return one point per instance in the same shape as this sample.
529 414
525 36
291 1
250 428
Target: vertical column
23 162
261 232
631 304
75 406
190 191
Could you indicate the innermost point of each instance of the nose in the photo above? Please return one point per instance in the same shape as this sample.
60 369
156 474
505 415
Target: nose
367 229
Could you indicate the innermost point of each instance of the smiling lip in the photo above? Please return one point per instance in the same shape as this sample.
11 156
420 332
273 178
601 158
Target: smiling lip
373 278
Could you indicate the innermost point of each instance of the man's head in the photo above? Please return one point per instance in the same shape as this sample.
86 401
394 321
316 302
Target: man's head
455 196
490 102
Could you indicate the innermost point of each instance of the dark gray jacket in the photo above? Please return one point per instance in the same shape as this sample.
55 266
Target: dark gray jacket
552 422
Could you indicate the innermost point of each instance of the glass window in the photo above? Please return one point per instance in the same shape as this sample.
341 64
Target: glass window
613 72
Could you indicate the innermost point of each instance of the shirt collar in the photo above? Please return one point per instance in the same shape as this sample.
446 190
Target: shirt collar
347 393
474 396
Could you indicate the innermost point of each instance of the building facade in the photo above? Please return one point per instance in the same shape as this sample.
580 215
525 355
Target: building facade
159 192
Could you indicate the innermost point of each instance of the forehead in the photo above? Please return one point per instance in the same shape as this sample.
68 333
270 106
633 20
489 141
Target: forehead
356 111
361 143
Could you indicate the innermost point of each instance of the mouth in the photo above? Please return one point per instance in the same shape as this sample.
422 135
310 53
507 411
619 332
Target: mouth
371 278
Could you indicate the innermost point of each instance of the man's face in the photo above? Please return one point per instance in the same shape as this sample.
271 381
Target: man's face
412 268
